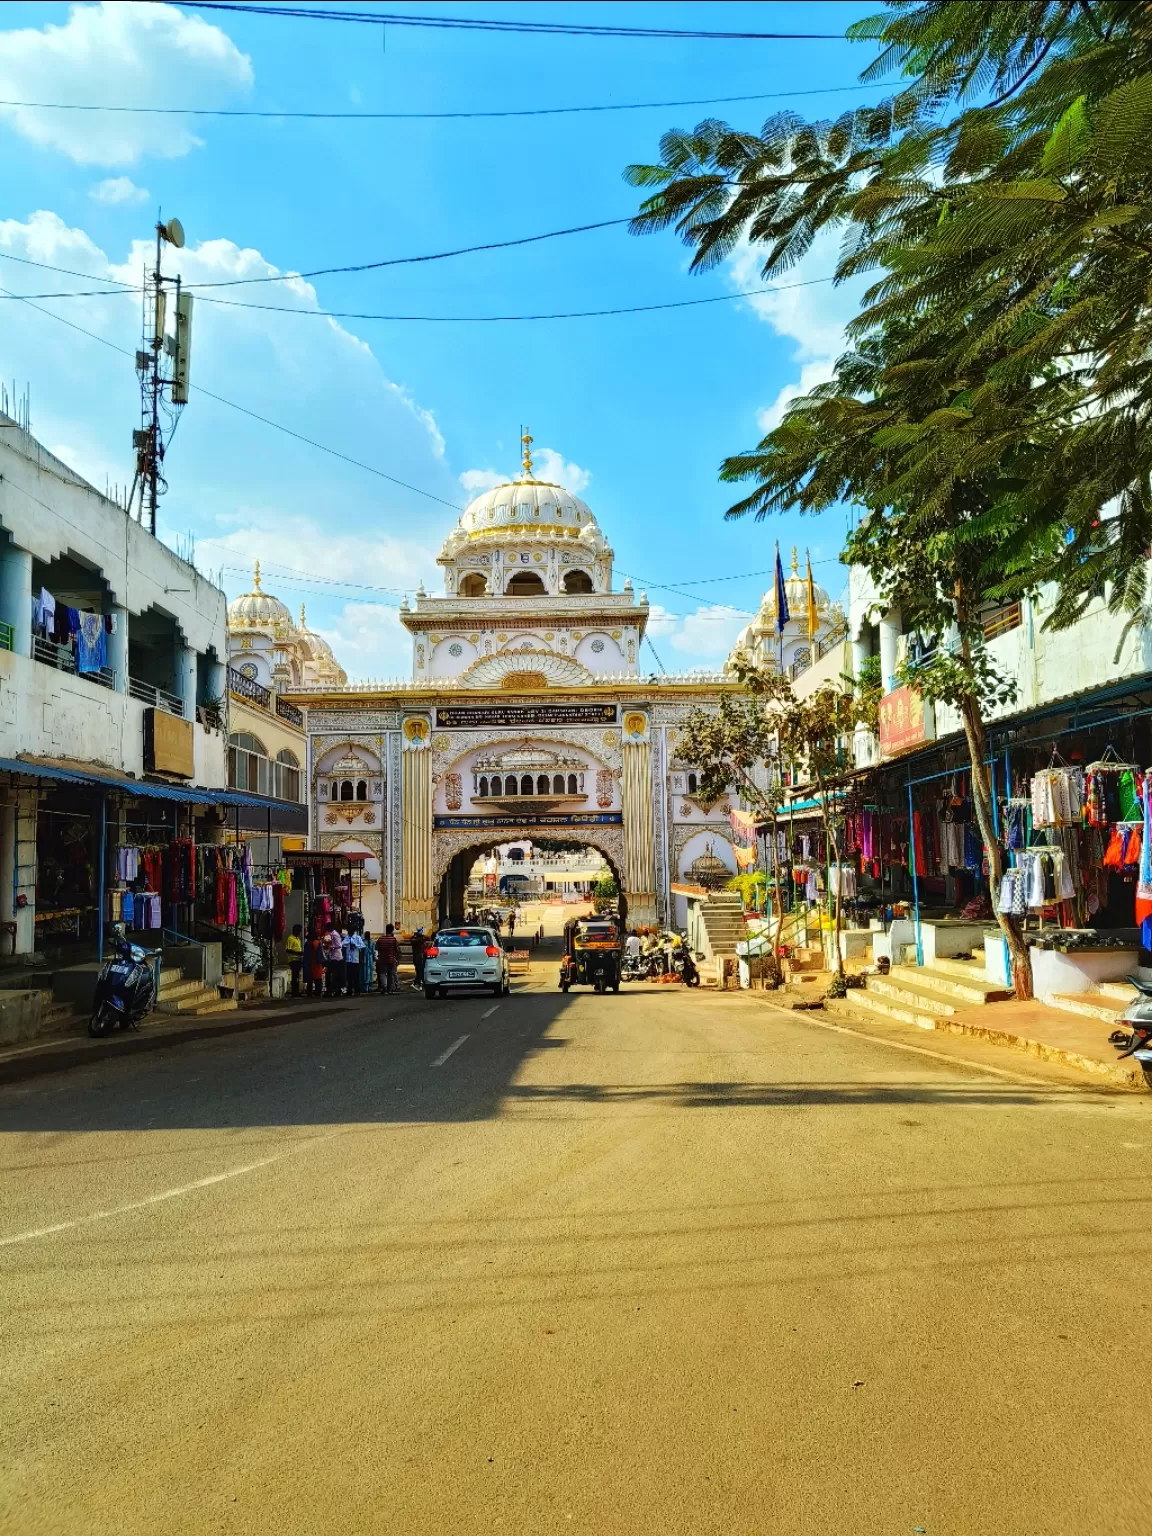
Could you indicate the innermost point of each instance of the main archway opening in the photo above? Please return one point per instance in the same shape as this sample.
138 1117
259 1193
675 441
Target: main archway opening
561 871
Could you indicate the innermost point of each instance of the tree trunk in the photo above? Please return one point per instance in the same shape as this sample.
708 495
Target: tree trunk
974 731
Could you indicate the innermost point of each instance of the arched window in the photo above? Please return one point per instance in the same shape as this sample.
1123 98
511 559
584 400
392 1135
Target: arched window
482 790
578 581
572 787
525 584
346 790
473 585
361 790
557 783
290 758
692 783
526 784
247 741
542 784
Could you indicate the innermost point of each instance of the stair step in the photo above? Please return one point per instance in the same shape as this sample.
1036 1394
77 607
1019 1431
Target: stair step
862 1005
967 970
976 990
1090 1005
190 1002
1121 989
923 999
170 991
221 1005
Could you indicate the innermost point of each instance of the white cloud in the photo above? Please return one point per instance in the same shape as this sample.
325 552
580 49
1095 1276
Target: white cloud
245 490
370 643
547 464
128 53
813 317
705 635
476 480
118 189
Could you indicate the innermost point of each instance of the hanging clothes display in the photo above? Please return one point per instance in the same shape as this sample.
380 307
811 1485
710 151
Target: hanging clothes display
1058 796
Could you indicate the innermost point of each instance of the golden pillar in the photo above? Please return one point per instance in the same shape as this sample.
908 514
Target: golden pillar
636 795
416 905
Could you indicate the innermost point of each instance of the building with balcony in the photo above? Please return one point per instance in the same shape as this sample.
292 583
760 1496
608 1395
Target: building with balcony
112 699
270 653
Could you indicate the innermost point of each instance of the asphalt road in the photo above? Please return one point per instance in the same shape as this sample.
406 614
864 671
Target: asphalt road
655 1263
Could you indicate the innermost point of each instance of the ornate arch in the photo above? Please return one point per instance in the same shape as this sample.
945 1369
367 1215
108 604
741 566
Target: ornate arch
607 840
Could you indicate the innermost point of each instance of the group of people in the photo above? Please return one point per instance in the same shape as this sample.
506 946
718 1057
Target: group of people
492 918
339 963
643 945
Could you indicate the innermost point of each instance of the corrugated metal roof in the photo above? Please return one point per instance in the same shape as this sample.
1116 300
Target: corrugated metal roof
187 794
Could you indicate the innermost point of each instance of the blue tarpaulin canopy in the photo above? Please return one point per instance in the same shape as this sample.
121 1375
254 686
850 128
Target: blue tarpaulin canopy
95 778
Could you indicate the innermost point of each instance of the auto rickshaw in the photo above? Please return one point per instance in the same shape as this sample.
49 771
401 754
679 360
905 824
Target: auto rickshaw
593 947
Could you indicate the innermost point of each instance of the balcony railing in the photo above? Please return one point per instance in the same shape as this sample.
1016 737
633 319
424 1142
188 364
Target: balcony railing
261 775
831 640
248 688
6 637
289 712
1001 620
61 657
159 698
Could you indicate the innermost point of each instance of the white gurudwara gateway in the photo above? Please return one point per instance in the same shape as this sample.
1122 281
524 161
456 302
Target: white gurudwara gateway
526 715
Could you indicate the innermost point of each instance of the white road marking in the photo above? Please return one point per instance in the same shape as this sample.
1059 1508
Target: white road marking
921 1050
167 1194
490 1012
455 1046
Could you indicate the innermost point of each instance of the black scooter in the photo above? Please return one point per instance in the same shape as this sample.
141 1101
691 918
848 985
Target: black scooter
125 990
686 966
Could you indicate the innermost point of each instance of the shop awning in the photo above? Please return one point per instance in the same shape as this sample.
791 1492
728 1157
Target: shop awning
94 778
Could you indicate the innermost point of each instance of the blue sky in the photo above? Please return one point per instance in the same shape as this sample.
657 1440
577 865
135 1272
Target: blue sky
634 413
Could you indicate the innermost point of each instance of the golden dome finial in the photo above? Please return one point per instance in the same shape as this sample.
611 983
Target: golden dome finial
256 576
526 461
302 623
795 561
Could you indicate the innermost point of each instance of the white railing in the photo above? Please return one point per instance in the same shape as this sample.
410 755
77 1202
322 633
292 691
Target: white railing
159 698
445 684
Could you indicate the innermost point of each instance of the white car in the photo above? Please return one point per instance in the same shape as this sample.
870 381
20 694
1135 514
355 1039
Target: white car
467 956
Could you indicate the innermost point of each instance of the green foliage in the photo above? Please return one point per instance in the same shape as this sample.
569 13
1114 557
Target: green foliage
606 889
1001 199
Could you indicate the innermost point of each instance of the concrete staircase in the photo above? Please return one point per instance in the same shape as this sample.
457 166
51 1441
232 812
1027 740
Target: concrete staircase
723 919
926 996
1106 1002
179 996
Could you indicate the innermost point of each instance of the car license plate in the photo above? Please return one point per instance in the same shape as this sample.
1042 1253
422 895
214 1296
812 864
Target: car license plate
461 975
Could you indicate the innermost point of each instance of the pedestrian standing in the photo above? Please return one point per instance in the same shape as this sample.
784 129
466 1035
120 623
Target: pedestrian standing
388 960
333 963
353 946
419 944
367 962
314 966
294 949
512 923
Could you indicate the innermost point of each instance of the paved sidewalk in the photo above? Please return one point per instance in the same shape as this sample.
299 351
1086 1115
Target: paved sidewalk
1049 1034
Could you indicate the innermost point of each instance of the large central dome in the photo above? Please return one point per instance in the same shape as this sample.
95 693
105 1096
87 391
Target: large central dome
524 507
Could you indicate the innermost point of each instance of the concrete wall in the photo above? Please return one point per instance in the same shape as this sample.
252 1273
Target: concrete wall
51 512
19 1016
46 713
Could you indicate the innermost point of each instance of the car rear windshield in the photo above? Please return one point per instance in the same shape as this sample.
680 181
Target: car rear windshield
467 938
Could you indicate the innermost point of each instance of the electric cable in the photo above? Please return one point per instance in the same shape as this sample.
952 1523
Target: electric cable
346 314
270 113
493 24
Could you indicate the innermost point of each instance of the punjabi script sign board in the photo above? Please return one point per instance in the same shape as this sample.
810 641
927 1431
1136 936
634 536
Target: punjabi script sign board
905 722
511 716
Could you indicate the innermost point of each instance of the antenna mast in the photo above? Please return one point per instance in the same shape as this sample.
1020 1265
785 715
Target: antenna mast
158 418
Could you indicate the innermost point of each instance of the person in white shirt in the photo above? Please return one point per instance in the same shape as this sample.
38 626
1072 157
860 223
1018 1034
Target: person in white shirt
353 947
633 946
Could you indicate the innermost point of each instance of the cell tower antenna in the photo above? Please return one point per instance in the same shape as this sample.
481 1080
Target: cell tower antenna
162 363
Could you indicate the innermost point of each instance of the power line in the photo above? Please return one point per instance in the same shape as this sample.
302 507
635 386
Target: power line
488 24
364 266
347 314
368 117
359 463
255 415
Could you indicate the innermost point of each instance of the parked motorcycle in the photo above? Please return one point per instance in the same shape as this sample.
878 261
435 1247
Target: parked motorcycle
125 990
686 967
1138 1017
